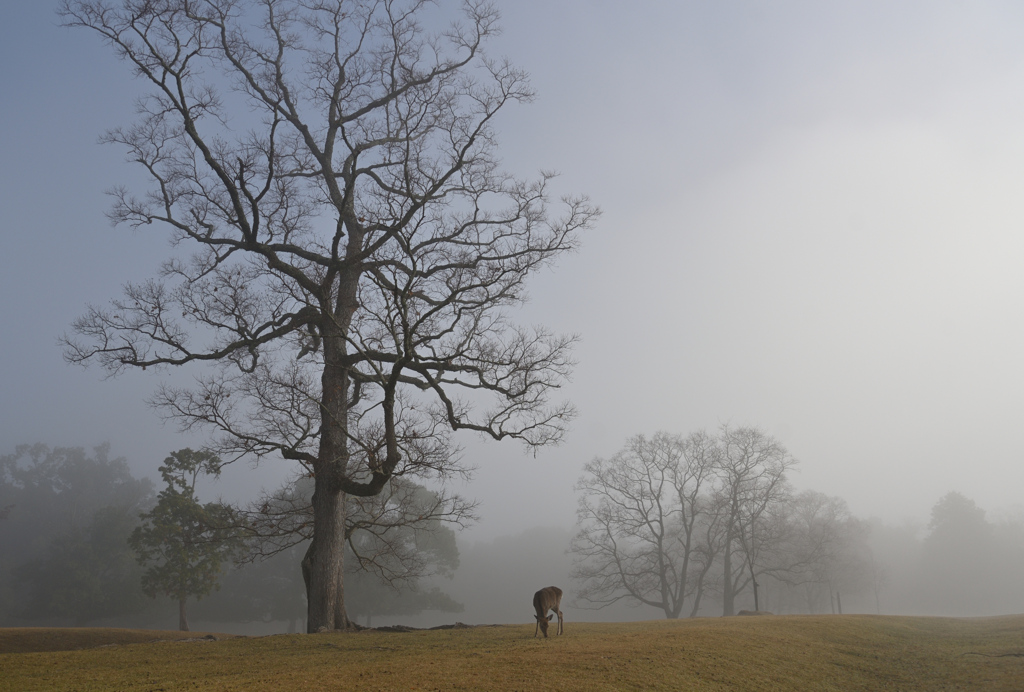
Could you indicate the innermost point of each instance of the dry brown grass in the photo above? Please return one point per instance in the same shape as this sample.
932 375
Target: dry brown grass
763 653
23 640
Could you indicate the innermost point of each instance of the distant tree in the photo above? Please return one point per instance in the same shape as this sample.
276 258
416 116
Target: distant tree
393 553
46 491
959 558
52 497
641 516
357 248
404 534
395 541
752 491
963 561
826 550
185 545
86 574
665 517
958 519
880 579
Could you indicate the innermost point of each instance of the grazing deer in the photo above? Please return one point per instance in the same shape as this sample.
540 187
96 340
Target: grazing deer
548 598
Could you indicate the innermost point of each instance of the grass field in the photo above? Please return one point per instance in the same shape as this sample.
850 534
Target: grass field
851 652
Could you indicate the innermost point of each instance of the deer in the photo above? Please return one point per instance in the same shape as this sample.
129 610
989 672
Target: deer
548 598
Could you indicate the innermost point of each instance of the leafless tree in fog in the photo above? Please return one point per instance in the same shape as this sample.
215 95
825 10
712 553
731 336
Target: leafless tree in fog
752 489
668 517
640 514
825 551
332 166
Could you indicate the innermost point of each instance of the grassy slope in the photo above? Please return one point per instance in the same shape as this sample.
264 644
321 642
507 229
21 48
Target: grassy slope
760 653
23 640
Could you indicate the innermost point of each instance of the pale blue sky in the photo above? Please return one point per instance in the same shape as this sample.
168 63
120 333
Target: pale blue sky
813 217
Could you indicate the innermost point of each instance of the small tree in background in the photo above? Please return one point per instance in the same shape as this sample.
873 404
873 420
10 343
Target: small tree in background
185 545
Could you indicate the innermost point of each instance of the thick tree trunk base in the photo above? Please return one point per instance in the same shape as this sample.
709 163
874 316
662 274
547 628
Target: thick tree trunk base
323 566
352 627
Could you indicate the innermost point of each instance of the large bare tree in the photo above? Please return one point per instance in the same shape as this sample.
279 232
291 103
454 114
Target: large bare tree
351 247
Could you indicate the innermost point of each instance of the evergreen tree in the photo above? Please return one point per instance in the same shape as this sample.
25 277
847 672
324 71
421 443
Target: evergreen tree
185 545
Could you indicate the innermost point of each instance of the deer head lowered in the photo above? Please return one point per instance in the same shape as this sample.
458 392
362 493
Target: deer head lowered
548 598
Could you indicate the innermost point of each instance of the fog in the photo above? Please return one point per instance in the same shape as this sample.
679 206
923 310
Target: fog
65 516
811 224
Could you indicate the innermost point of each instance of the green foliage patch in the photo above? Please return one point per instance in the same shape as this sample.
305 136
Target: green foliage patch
763 653
185 545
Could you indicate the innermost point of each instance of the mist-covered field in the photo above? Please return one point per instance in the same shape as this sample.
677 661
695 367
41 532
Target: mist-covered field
858 652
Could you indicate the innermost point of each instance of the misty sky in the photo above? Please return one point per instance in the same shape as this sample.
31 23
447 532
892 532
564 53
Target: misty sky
813 224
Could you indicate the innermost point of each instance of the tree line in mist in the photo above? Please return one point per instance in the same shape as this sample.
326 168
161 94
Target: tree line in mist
668 526
710 524
87 543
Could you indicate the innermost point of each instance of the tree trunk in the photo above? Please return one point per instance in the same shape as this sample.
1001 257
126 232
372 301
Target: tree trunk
323 565
182 615
696 599
728 597
699 593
